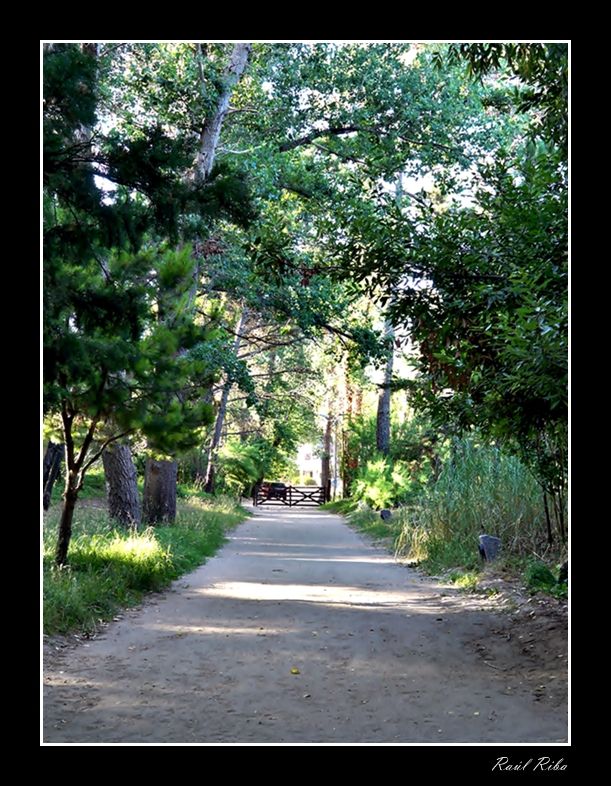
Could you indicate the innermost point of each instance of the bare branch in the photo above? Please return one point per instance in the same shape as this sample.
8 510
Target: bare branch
377 130
339 154
312 136
103 447
430 143
270 345
222 149
297 370
234 110
86 443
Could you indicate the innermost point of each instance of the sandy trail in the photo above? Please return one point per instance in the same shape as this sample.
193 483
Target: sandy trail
382 654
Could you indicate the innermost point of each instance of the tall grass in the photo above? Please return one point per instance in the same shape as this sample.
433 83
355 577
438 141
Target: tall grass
111 567
479 490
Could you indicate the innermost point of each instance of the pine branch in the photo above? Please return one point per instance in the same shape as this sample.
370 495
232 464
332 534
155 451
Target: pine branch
105 444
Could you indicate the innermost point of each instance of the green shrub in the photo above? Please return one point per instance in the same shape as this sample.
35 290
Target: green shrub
239 467
381 483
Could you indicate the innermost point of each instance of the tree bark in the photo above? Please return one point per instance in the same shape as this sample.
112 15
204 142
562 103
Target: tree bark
550 537
325 462
121 486
65 523
210 479
384 400
160 491
383 418
51 465
211 130
216 439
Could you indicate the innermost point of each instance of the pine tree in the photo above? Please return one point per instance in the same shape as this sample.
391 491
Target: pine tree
108 359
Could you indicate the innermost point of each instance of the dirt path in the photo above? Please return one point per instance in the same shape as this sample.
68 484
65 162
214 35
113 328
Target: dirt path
383 654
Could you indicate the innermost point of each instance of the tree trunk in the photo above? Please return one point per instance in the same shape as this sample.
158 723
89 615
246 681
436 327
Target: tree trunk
325 462
348 462
216 439
209 482
383 418
160 491
211 130
384 400
47 461
550 537
84 133
65 523
51 465
358 401
557 500
121 485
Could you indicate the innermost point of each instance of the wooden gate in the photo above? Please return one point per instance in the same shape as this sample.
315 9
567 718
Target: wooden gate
291 496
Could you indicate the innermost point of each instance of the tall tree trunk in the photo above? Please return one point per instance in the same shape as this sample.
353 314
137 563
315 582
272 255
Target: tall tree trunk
349 461
384 399
51 466
202 166
559 513
383 418
160 491
47 461
216 439
121 485
550 537
65 523
325 462
210 479
358 401
211 130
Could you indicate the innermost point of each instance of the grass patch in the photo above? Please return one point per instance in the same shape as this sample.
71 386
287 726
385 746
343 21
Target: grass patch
110 568
187 490
369 522
466 581
342 506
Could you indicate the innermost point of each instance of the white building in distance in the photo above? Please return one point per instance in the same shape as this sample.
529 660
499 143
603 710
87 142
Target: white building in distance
309 465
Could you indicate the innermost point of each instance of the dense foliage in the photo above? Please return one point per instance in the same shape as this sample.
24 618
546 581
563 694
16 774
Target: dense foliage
232 233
